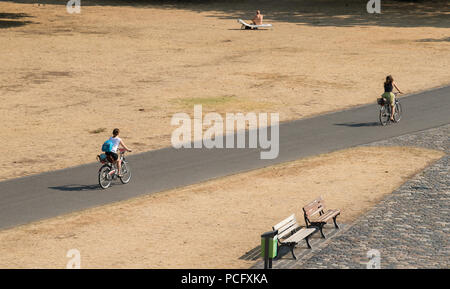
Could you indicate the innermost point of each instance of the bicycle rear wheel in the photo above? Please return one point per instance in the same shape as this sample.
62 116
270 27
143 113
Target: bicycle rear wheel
104 179
398 112
384 115
126 173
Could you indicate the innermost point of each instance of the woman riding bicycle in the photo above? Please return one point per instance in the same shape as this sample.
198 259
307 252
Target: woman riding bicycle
389 95
112 155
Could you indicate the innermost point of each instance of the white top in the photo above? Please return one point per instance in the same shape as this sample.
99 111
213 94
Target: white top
116 141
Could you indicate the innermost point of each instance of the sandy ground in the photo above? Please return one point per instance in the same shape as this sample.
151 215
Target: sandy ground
212 224
68 79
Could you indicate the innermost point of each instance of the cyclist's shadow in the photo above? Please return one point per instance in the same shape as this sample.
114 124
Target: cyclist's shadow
361 124
76 188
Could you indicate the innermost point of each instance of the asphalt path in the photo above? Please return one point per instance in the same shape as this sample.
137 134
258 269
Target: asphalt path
50 194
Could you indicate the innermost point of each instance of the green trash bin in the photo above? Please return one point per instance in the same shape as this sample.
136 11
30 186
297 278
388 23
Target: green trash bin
269 245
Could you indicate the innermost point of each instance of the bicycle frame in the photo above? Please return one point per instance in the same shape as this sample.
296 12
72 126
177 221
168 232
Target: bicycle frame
386 111
113 173
113 165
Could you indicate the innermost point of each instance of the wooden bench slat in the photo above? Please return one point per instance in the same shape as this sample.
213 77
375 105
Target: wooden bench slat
332 213
310 209
313 204
328 215
311 214
284 222
314 207
300 235
287 233
287 226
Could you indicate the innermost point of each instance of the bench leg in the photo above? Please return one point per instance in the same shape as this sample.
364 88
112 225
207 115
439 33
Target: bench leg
307 242
335 224
292 251
321 231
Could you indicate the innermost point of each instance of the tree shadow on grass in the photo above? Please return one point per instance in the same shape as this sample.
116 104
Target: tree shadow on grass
8 20
342 13
445 39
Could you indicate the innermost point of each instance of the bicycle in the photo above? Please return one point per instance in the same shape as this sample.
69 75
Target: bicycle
386 110
109 172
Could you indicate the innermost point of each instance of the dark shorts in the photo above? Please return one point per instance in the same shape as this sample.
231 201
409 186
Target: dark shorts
113 155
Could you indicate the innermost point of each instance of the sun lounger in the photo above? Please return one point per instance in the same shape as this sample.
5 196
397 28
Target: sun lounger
251 26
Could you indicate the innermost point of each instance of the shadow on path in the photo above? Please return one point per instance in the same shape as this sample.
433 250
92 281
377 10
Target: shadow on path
360 124
75 188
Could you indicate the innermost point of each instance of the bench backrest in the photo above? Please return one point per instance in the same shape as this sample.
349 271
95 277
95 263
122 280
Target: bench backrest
286 226
312 209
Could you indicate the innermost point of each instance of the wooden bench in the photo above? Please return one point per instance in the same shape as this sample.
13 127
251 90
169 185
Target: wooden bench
316 215
290 233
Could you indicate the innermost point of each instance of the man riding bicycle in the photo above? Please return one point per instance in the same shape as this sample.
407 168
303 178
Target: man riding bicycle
112 155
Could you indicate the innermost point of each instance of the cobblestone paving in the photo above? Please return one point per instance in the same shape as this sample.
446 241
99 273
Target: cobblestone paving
435 138
410 228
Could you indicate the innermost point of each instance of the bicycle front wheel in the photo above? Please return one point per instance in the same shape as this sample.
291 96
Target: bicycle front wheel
126 173
398 112
104 178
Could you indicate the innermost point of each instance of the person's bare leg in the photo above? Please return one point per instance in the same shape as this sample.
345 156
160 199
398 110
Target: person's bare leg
119 168
393 112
